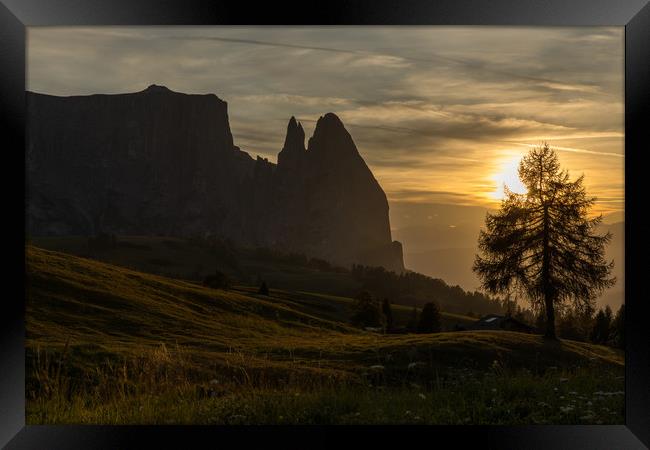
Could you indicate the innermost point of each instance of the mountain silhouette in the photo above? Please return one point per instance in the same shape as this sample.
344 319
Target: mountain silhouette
159 162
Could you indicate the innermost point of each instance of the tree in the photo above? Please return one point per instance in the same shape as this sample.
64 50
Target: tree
618 328
543 243
264 289
602 326
430 319
367 311
413 320
388 314
569 327
609 315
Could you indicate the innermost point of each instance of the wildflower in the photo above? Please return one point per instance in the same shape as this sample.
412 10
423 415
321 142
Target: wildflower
608 394
494 390
422 396
214 381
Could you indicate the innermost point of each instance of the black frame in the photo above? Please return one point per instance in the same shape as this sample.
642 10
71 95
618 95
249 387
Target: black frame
15 15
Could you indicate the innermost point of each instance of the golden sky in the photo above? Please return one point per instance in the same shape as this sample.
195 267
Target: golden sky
440 114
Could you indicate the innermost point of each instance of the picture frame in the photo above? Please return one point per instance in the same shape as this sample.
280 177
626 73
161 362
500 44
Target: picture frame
634 15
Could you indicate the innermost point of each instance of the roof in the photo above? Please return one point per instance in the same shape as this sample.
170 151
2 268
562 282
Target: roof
493 319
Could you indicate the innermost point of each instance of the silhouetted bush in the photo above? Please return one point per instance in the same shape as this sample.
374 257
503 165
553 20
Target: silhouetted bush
264 289
217 281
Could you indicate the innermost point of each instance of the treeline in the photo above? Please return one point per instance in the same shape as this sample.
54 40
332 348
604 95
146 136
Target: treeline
599 327
296 259
372 314
415 289
602 327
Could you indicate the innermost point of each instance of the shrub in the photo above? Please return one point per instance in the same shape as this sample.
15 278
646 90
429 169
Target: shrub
217 281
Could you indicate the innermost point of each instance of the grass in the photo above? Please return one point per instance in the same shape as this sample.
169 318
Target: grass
184 259
110 345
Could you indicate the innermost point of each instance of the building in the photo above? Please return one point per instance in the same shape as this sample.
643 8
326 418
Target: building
498 322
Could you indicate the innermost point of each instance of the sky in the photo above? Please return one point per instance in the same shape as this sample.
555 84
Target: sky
441 115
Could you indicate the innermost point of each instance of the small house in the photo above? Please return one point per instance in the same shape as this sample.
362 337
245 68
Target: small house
499 322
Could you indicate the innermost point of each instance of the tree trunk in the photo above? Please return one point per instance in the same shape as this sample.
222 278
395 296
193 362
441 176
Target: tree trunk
546 281
550 318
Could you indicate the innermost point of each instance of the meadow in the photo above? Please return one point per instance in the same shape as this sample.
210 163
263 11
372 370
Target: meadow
107 344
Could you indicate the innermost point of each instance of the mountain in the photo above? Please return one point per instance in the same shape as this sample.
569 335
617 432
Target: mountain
163 163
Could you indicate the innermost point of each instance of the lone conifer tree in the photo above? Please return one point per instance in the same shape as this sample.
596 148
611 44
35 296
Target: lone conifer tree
264 289
543 243
367 311
388 315
430 319
413 320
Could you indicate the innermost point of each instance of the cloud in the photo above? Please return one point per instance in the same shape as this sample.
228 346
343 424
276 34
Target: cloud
388 60
576 150
434 111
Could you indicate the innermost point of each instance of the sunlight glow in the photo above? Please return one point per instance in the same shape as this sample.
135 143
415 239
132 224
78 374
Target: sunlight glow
508 176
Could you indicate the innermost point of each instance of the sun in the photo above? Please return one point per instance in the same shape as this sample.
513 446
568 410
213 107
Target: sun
508 176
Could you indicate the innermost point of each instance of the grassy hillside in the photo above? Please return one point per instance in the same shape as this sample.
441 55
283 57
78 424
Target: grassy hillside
194 259
106 344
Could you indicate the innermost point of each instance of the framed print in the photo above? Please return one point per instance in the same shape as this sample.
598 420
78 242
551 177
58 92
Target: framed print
417 218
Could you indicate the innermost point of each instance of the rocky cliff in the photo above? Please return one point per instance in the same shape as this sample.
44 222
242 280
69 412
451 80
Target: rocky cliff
158 162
